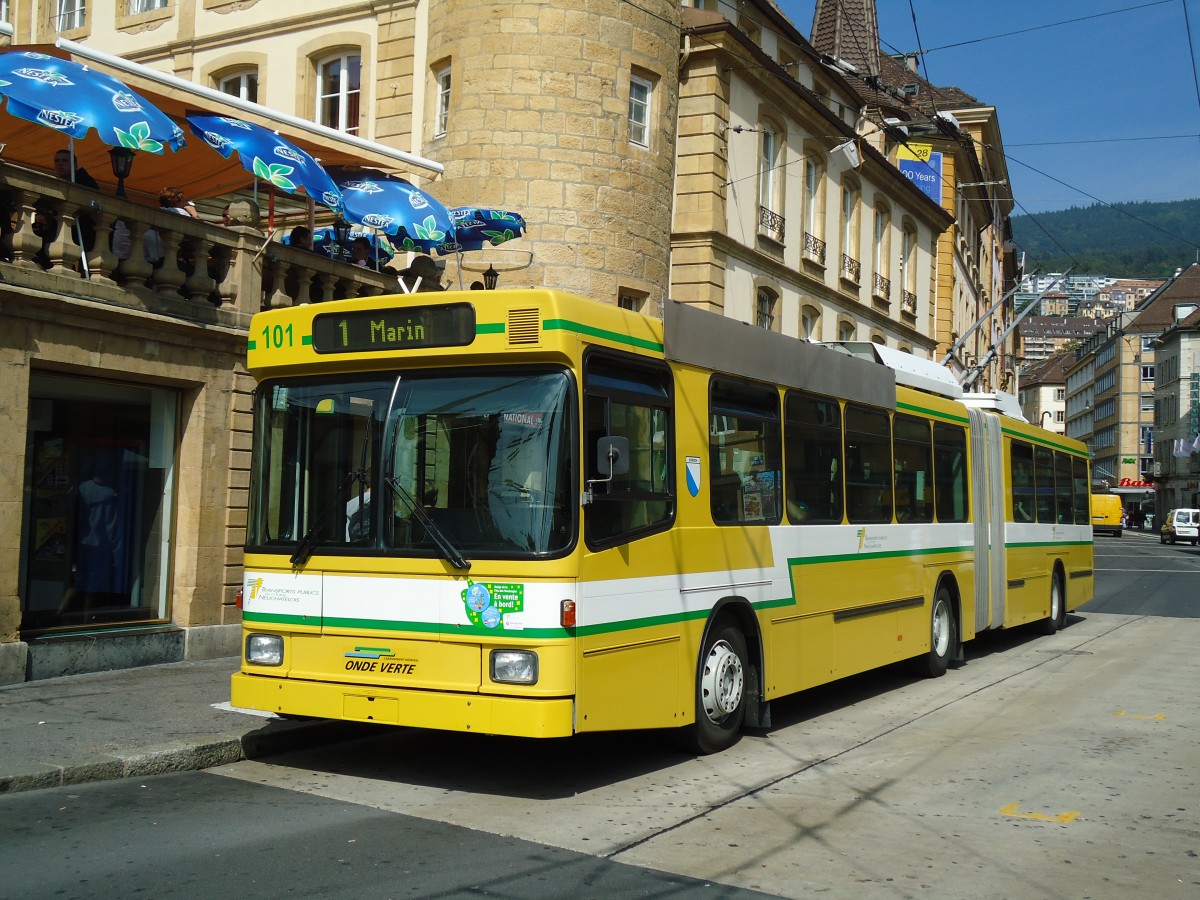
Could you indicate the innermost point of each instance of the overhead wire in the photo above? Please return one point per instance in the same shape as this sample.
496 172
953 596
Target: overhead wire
992 37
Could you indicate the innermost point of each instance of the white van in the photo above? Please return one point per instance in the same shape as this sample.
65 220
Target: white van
1181 525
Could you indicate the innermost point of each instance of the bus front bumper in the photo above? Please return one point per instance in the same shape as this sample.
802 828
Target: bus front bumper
445 711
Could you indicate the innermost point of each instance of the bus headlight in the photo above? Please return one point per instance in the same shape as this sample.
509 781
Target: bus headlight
264 650
514 667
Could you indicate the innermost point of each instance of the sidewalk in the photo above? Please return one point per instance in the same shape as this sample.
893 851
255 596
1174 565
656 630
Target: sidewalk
136 722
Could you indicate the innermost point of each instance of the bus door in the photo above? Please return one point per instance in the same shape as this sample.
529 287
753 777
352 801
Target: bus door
987 487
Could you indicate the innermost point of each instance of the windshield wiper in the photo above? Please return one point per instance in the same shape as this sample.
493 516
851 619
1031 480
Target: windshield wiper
451 552
305 548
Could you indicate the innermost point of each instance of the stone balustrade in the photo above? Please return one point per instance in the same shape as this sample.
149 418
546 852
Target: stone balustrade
59 236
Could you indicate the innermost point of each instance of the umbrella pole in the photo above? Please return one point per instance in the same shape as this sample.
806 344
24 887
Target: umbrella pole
83 260
460 281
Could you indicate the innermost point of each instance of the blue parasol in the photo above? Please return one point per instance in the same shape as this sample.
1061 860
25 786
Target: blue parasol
476 227
392 205
74 99
268 156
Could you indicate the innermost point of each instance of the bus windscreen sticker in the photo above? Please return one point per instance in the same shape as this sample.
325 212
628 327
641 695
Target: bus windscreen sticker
489 604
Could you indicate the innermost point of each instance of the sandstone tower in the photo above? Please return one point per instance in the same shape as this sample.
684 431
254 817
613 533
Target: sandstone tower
538 122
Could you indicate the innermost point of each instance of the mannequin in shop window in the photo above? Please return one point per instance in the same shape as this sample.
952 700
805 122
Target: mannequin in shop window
97 554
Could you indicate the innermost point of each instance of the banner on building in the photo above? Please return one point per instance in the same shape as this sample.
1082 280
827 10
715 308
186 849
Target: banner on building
923 167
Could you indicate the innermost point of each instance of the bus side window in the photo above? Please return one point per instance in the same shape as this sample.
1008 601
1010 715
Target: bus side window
745 450
1021 472
813 459
631 400
1081 482
868 465
1043 477
950 472
914 470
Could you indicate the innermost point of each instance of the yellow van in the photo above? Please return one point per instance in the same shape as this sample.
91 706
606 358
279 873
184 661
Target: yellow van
1107 514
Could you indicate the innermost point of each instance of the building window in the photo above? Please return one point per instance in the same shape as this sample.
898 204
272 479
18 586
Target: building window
810 321
640 91
70 14
442 114
338 91
1148 373
99 518
883 253
144 6
764 308
1060 394
243 85
845 331
634 301
770 190
851 267
814 208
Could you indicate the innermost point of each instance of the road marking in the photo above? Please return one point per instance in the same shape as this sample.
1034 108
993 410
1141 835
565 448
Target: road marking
1121 714
1011 811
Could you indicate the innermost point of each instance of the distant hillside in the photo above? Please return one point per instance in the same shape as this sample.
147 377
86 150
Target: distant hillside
1116 240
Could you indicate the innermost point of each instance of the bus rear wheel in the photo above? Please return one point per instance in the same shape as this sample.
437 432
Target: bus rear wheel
720 691
941 636
1057 616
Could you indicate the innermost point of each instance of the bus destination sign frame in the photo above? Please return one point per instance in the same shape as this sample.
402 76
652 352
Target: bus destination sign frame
402 328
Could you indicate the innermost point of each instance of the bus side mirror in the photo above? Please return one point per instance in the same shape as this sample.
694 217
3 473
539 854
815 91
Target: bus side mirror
612 456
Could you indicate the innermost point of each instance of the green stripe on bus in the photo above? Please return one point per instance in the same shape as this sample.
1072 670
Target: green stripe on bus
882 554
616 337
251 344
489 328
379 625
306 340
933 413
1034 439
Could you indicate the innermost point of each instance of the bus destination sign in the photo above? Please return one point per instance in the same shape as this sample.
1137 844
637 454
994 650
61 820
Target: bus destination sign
370 330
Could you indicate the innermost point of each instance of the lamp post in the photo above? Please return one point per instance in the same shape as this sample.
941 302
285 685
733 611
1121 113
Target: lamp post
341 235
122 165
490 278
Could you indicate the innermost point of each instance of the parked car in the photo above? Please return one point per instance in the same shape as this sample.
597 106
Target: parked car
1107 514
1181 525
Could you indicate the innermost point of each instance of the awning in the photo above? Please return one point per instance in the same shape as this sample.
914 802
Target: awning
197 170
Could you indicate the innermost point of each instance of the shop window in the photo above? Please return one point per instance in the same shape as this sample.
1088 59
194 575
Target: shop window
98 511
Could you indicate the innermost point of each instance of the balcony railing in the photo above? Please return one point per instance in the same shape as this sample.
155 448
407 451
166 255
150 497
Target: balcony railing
882 287
209 272
851 268
908 303
814 248
770 224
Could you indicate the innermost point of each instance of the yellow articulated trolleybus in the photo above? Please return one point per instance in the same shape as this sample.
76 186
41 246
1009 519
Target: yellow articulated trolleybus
527 513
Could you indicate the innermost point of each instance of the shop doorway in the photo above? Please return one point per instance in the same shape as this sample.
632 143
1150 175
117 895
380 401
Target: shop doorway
99 486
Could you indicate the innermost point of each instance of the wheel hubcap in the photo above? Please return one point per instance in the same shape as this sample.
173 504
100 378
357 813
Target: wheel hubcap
1055 601
721 682
941 629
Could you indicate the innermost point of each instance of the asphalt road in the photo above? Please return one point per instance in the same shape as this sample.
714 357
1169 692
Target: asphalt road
1062 766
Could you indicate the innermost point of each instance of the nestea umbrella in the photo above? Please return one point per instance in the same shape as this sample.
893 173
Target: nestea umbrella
477 227
75 99
394 206
268 156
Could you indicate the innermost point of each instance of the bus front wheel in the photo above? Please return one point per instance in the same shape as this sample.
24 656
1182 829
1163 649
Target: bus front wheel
720 691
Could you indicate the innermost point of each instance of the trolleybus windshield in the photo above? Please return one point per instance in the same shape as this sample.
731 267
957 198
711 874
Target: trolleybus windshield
487 455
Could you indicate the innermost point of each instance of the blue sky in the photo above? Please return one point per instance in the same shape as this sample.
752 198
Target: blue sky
1122 82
